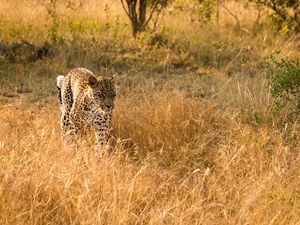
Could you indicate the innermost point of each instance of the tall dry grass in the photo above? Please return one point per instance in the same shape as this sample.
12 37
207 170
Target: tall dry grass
195 138
175 160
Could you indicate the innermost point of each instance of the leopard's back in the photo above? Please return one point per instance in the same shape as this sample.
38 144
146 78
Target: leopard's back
77 81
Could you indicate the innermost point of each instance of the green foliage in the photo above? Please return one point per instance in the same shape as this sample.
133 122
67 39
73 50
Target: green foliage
201 11
285 14
52 7
284 77
206 9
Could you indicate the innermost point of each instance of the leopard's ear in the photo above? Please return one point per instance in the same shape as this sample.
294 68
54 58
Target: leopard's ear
92 81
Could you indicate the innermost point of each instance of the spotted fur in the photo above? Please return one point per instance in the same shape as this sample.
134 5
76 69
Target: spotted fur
85 99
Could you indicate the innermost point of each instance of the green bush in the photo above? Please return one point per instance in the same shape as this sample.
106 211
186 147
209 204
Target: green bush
284 77
285 14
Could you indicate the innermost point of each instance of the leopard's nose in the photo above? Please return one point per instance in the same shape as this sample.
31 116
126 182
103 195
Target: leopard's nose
108 106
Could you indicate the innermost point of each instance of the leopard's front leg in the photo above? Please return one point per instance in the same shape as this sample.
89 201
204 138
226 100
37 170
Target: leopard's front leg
102 125
74 124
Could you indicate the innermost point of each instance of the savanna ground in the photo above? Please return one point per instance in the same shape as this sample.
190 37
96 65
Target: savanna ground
196 137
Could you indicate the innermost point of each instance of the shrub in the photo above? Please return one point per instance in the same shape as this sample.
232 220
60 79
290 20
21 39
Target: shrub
284 14
284 77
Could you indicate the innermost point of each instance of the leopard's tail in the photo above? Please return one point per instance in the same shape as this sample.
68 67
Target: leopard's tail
59 83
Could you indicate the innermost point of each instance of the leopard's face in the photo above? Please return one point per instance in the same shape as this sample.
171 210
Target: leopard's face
102 93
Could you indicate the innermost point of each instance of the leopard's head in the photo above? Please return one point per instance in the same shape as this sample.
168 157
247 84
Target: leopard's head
102 93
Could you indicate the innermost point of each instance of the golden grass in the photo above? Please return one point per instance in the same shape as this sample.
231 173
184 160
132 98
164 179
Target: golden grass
191 142
175 160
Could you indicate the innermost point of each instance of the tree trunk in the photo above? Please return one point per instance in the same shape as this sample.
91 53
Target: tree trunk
136 15
143 12
133 16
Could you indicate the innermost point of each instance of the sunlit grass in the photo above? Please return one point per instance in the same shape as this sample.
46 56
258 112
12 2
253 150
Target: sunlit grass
175 160
195 140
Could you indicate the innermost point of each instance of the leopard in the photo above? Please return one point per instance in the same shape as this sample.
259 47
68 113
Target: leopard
86 99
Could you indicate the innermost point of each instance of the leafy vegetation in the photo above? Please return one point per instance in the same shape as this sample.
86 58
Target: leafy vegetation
285 14
284 75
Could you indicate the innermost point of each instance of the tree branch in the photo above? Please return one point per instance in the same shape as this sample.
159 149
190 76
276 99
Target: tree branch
151 14
233 15
236 19
156 20
126 11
